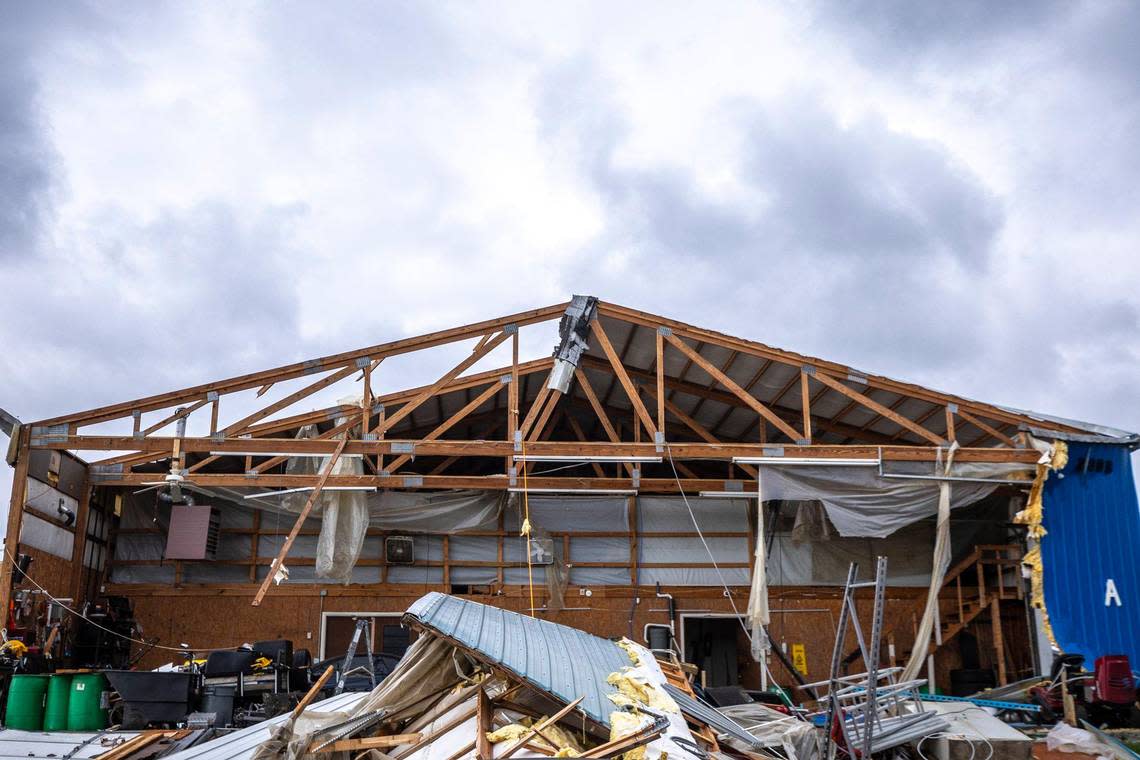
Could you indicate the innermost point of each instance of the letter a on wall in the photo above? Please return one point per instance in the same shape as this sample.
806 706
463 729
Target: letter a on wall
1111 594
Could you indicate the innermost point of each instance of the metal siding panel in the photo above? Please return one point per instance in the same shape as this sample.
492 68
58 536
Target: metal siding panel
1093 524
562 661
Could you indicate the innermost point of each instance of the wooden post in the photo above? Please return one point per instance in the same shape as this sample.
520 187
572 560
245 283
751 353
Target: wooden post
661 384
15 520
805 394
79 544
513 397
999 641
484 712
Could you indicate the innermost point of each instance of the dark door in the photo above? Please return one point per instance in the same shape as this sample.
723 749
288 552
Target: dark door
388 636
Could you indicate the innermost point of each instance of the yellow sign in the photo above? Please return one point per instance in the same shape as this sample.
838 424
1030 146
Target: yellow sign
799 658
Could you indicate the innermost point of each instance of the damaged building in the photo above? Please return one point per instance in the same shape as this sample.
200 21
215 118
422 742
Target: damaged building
684 489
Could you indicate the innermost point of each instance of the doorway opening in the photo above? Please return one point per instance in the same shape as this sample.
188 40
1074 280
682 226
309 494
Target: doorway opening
721 650
388 636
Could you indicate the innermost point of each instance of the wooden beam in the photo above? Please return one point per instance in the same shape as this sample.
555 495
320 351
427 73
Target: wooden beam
577 428
15 519
763 351
451 422
79 542
660 341
450 375
540 424
535 408
299 369
875 406
805 395
702 431
600 411
951 433
623 377
987 428
289 400
185 411
325 472
739 392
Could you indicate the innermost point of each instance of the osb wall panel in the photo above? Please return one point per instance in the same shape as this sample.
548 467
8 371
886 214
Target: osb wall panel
799 616
48 570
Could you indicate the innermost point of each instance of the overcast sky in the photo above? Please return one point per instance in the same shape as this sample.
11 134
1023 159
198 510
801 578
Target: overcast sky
947 193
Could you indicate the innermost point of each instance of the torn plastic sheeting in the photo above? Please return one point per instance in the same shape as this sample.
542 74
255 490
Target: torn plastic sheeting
861 503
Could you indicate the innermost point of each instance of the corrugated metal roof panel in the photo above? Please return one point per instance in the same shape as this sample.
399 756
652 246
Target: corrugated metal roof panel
562 661
15 743
1093 523
240 745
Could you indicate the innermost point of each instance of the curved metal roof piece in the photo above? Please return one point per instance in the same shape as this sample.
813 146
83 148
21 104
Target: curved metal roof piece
562 661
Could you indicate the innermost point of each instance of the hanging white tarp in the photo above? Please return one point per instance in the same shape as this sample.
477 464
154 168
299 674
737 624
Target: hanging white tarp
862 503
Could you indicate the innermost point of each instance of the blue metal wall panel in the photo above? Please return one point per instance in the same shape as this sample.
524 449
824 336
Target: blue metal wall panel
563 661
1093 523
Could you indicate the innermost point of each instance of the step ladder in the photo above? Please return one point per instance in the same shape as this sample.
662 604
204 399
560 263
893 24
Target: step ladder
363 628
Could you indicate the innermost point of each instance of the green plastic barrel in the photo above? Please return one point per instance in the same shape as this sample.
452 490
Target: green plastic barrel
26 702
58 698
85 711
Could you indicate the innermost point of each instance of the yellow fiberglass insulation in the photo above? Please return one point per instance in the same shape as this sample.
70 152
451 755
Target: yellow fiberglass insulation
567 745
640 691
630 650
623 724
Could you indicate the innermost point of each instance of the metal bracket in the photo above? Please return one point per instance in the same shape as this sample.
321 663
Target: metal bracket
510 329
952 408
659 441
513 476
312 365
636 477
42 435
855 377
252 473
773 451
663 331
518 440
403 447
378 408
413 481
369 437
734 485
505 379
807 369
803 442
137 415
100 472
212 396
362 362
219 436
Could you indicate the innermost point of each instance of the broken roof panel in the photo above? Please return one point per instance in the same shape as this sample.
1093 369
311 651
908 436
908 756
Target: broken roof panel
562 661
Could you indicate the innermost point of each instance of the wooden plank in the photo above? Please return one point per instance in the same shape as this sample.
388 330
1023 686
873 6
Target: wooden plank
370 742
15 518
875 406
451 421
450 375
763 351
299 369
537 727
311 694
325 472
288 401
660 341
999 640
623 377
484 713
178 414
951 434
79 542
987 428
703 432
535 408
540 424
599 410
805 396
739 392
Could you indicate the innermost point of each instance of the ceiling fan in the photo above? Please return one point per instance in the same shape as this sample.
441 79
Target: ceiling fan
176 488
